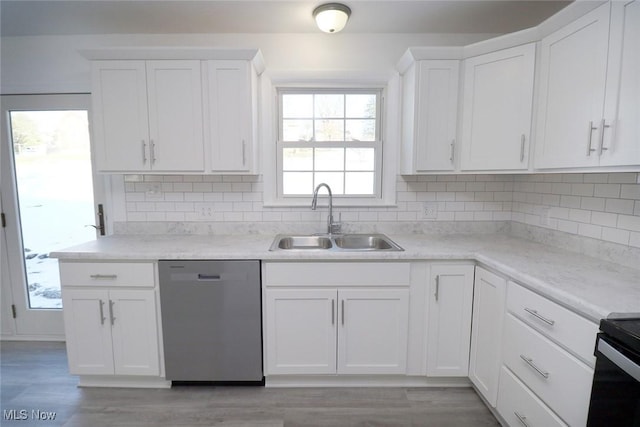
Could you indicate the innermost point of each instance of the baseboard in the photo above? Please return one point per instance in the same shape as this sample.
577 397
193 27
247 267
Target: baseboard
52 338
363 381
122 381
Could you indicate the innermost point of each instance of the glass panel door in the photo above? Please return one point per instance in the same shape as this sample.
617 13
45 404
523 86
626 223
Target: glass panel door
52 176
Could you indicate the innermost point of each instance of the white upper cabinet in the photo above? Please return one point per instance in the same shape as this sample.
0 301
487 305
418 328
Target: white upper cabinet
232 113
497 105
147 116
175 115
429 114
572 87
120 117
620 144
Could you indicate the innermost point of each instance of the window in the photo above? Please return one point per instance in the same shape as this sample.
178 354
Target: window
331 136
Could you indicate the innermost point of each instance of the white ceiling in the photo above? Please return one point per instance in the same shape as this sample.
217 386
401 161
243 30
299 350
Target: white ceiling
64 17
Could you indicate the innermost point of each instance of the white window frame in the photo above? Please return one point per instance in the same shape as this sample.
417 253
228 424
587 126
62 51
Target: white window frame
386 158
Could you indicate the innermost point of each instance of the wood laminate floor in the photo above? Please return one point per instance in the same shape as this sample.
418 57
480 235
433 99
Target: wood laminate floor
34 377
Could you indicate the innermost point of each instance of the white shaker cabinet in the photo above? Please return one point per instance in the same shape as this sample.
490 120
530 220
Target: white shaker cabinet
573 72
111 332
497 107
110 319
300 330
450 299
429 116
231 115
372 331
619 145
344 331
147 116
486 334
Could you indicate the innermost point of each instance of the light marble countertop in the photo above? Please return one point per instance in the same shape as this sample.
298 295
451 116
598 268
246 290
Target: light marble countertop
590 287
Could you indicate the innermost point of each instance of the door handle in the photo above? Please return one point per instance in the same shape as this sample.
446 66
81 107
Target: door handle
453 151
591 129
102 318
100 226
144 152
333 312
111 316
342 312
529 361
522 148
601 147
153 151
437 293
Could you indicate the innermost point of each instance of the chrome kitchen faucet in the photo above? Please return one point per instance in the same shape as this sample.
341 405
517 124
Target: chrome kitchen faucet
332 227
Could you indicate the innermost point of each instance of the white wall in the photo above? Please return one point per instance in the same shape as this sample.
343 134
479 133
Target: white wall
52 64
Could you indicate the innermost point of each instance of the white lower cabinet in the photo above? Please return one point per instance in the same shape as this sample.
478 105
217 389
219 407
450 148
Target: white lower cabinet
450 297
111 332
519 406
558 378
328 331
486 333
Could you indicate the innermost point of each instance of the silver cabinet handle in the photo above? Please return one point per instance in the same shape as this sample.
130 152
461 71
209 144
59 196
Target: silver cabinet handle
539 316
144 152
104 276
111 316
343 312
153 151
102 318
244 152
591 129
601 147
529 361
453 151
333 312
521 418
437 293
522 148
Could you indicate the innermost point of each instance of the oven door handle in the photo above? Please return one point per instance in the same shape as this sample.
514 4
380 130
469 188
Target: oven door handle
619 359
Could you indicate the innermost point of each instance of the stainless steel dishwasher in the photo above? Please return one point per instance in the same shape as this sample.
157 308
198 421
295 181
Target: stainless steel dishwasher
211 320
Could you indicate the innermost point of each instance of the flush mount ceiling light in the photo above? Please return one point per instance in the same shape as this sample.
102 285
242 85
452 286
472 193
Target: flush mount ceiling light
331 17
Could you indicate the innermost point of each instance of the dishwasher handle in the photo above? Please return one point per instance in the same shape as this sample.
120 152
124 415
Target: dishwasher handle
209 277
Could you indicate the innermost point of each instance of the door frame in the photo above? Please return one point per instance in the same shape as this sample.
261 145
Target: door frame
39 324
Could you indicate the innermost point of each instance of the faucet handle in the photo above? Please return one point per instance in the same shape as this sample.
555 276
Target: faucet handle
336 227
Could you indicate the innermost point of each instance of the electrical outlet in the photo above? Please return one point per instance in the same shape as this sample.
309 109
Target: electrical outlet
430 210
206 210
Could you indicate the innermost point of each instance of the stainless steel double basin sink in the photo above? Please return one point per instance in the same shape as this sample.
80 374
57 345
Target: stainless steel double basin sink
335 242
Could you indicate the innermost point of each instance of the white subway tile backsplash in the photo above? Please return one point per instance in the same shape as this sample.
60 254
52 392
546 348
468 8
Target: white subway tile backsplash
603 206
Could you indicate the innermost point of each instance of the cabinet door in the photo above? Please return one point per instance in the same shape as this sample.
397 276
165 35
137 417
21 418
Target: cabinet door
175 116
120 118
435 121
301 331
230 115
486 334
572 81
449 325
373 331
88 331
619 145
498 96
135 332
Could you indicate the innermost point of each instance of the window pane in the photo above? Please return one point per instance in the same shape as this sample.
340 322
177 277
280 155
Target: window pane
297 106
359 183
297 159
297 183
361 130
297 130
329 130
329 159
329 106
335 180
360 159
361 106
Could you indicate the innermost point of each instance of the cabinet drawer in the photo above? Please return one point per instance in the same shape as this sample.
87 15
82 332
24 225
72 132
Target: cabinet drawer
559 379
337 273
566 328
107 274
518 405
